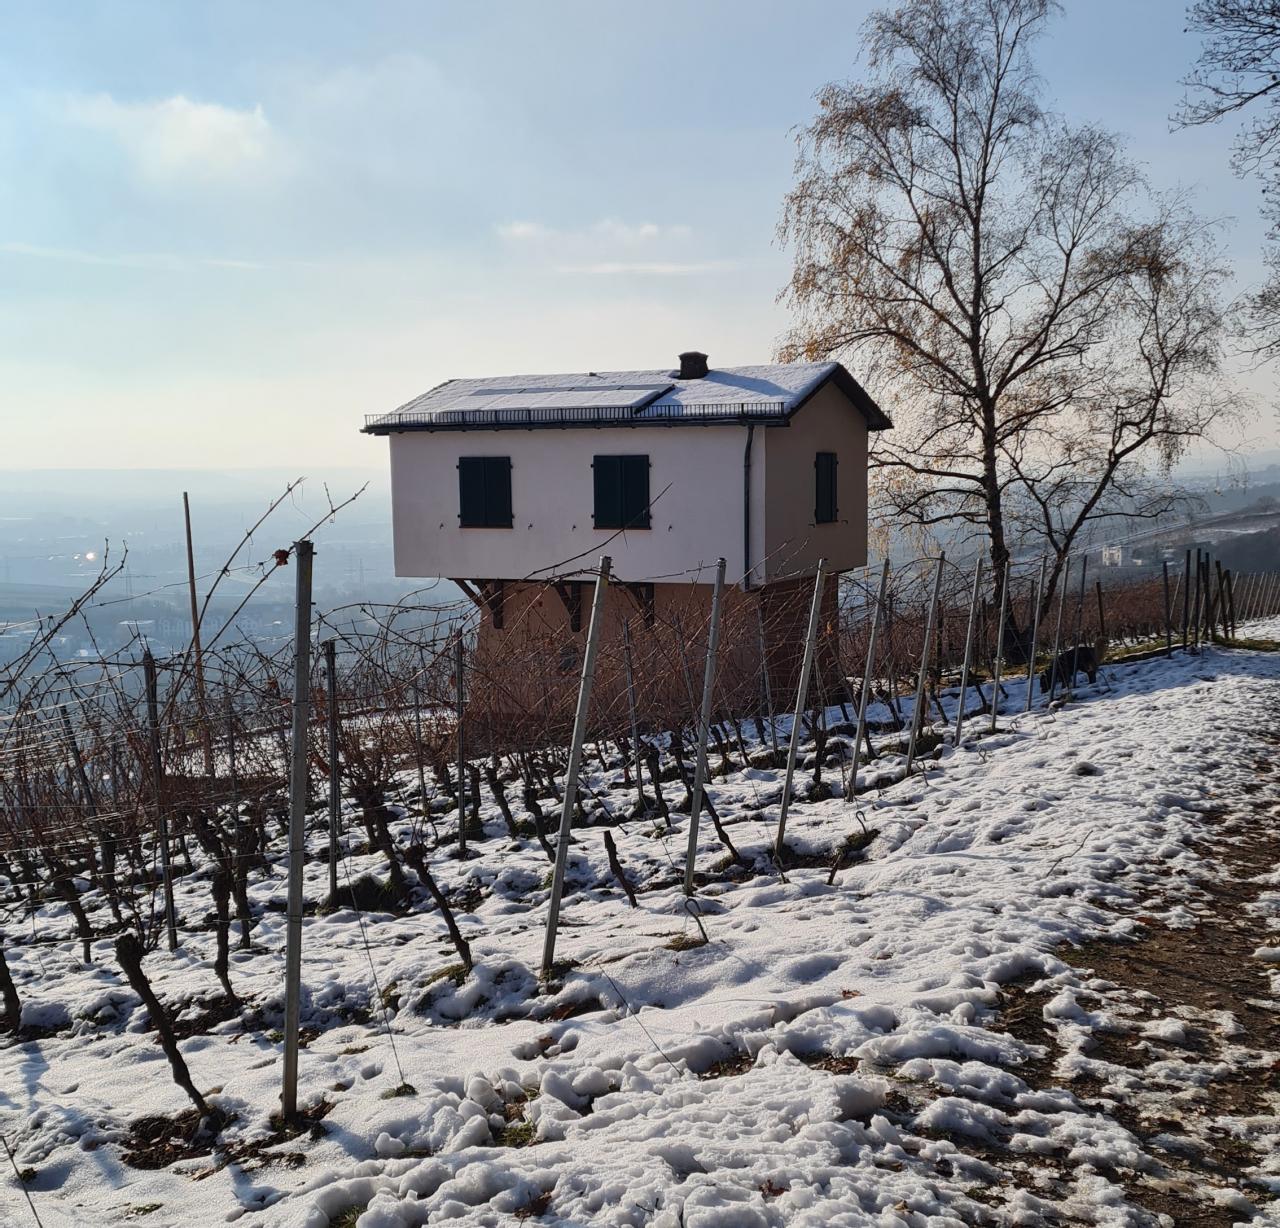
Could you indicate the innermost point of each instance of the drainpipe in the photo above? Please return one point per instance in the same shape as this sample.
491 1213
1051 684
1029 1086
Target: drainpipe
746 508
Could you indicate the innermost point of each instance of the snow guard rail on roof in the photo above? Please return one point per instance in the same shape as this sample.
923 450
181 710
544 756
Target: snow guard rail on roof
574 415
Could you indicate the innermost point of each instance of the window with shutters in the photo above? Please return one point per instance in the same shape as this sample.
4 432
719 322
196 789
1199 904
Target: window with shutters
824 504
621 492
484 492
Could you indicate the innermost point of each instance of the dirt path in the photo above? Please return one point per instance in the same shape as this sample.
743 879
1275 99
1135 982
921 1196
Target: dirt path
1184 1047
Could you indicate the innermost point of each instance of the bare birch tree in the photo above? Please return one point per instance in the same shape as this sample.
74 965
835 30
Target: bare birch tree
1045 330
1238 74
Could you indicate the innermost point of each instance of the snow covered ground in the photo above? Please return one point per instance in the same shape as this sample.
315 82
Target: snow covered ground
832 1055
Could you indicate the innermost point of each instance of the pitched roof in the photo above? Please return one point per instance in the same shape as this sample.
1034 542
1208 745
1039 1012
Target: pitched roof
764 393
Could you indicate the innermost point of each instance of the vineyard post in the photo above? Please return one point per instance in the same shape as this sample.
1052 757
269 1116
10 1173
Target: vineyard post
704 727
1169 612
631 709
764 673
1195 603
575 759
999 661
1075 656
157 784
303 551
232 770
1221 600
459 682
917 707
1054 669
852 787
206 734
335 780
802 695
1248 588
1035 633
417 734
1231 602
1186 599
968 650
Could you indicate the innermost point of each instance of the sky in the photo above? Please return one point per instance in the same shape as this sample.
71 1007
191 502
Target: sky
228 231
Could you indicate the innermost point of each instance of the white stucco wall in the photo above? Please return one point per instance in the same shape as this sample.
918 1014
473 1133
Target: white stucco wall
697 518
695 482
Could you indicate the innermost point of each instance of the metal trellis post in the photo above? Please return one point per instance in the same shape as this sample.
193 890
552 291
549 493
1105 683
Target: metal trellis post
802 694
704 728
303 552
575 760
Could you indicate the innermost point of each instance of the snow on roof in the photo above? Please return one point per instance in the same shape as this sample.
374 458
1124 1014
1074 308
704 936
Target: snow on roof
622 398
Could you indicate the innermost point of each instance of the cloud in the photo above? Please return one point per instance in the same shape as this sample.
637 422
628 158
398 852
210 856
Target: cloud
648 268
521 232
175 140
608 230
611 247
126 260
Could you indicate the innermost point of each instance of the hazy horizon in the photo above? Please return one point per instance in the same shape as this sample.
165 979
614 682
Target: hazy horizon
228 234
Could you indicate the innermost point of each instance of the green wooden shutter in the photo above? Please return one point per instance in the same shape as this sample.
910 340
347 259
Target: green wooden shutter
825 510
471 500
497 492
607 475
635 492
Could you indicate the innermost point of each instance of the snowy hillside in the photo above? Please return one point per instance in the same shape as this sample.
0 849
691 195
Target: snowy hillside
923 1041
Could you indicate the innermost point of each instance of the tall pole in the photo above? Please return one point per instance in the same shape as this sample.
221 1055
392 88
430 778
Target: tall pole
1054 669
968 650
302 553
157 783
1168 612
206 735
865 696
631 708
1035 634
460 684
995 672
917 706
1075 656
1186 600
335 778
764 673
704 728
1195 623
575 761
802 695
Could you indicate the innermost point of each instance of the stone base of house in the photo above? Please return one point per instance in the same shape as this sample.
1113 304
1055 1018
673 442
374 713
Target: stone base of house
531 638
